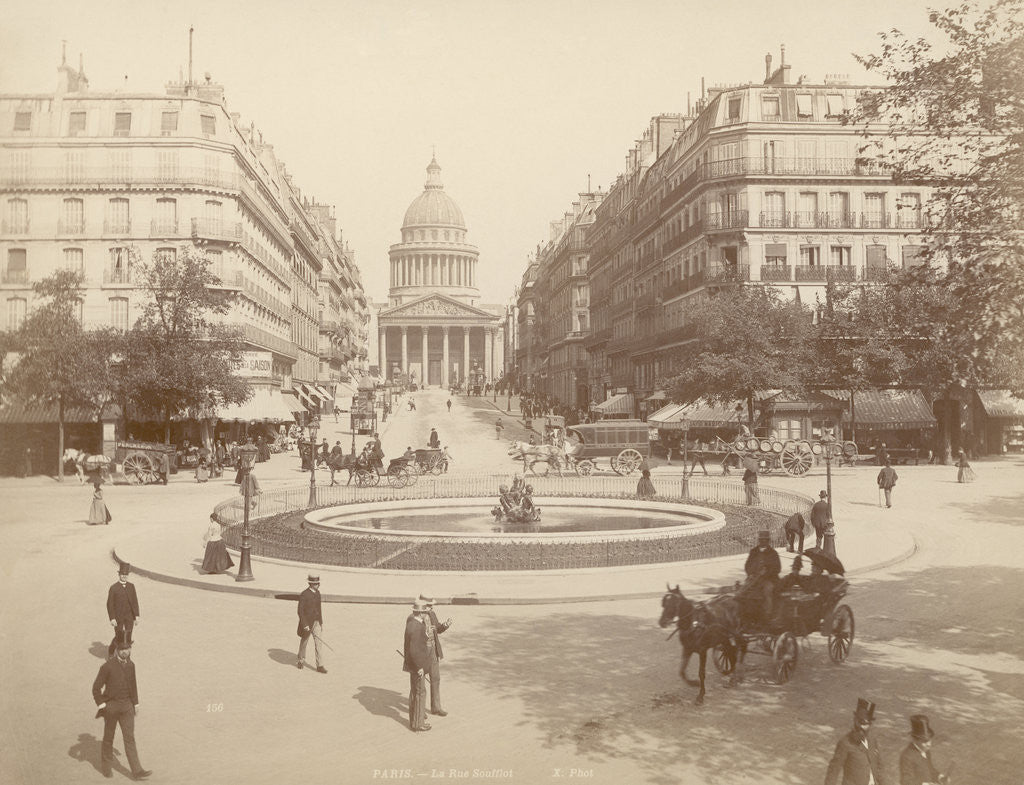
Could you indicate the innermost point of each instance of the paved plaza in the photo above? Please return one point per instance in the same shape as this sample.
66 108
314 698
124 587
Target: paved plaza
538 690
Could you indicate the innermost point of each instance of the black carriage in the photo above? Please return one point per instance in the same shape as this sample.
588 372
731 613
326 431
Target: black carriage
429 461
399 474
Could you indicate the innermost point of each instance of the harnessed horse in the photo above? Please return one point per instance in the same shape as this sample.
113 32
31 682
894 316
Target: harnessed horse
702 626
80 457
530 454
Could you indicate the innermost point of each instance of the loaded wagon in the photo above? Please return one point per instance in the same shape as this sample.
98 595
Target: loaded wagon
140 461
793 456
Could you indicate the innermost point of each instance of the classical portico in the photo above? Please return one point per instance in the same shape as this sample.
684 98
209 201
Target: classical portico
434 327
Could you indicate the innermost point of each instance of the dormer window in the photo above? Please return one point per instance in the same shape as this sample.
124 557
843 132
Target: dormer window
770 106
22 121
734 108
803 105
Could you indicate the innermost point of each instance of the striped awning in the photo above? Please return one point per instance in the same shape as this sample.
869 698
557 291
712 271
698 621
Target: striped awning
893 410
705 415
669 417
264 406
321 392
657 395
1000 403
308 400
291 400
344 391
617 404
33 413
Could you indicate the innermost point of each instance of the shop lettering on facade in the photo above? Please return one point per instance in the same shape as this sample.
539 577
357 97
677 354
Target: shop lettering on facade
256 365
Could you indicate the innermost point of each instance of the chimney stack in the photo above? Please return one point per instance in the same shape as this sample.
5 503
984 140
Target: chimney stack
767 66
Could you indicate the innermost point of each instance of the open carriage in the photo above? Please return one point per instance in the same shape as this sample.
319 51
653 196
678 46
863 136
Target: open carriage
399 474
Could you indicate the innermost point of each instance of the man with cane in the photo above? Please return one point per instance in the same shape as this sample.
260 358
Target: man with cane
311 622
416 662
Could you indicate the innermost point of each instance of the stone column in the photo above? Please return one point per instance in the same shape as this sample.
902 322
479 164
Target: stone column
382 344
465 354
405 349
488 353
444 357
426 363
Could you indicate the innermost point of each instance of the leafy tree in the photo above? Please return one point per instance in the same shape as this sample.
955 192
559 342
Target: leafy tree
954 114
744 339
57 361
179 359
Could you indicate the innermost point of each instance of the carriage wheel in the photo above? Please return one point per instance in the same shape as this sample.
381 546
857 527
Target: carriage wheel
765 465
397 478
796 462
436 466
784 657
585 467
627 461
723 662
410 475
533 468
850 451
840 634
366 479
137 468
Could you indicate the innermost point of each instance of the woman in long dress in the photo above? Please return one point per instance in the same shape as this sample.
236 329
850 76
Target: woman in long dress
98 512
216 559
645 488
964 472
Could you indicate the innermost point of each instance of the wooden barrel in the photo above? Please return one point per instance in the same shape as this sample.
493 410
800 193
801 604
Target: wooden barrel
765 445
752 443
777 447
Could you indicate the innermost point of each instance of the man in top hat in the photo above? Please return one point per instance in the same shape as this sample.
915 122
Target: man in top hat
434 629
434 441
117 694
311 622
916 767
417 653
857 760
762 567
122 608
819 517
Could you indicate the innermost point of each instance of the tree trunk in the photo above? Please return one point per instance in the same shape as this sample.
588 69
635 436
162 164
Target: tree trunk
60 439
750 411
853 422
167 426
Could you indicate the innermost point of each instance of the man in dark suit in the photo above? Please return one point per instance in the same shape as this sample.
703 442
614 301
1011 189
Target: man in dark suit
819 517
122 608
416 656
856 760
916 767
117 695
887 481
434 629
762 567
794 529
311 622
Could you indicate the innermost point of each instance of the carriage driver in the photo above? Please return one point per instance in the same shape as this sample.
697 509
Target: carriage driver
762 567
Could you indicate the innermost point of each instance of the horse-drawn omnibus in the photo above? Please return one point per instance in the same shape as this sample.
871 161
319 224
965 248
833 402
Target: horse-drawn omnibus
625 442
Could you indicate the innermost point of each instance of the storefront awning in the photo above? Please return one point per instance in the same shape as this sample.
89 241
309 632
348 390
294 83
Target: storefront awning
893 410
657 395
668 417
344 392
22 413
705 415
1000 403
617 404
311 403
264 406
291 400
321 392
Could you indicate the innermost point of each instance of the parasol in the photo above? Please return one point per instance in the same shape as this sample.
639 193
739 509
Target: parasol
96 462
828 563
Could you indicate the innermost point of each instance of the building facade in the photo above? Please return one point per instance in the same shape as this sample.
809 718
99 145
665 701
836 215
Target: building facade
434 329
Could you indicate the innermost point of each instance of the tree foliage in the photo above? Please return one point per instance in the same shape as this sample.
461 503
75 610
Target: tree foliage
179 359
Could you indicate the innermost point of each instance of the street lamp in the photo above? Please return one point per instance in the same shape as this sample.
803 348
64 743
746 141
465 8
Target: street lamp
247 456
828 440
686 432
314 425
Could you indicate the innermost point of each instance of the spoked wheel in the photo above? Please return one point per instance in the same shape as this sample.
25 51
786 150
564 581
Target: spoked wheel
137 469
397 478
585 468
627 461
725 663
410 475
366 479
840 634
796 462
436 466
784 657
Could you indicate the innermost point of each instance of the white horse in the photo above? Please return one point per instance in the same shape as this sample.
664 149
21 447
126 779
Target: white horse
79 459
530 454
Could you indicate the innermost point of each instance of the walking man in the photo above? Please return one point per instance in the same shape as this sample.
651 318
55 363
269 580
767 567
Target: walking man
434 629
122 608
498 428
117 695
164 466
856 760
311 622
416 657
697 456
886 481
819 517
916 767
750 484
449 406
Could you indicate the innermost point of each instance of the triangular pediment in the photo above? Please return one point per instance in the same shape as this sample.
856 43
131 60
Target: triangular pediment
435 305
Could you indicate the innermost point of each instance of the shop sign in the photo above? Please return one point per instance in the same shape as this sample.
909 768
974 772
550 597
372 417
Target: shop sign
255 365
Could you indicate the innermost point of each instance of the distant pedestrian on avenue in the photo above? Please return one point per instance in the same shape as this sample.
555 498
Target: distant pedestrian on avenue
857 760
434 442
750 485
964 472
886 481
122 608
416 661
645 488
819 517
311 623
697 456
163 466
916 766
882 454
498 428
216 558
449 404
116 693
98 512
434 629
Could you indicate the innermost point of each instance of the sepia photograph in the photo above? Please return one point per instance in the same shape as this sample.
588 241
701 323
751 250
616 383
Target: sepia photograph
649 375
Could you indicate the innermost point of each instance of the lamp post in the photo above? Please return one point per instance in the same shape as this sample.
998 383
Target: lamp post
247 455
686 432
508 407
314 425
828 440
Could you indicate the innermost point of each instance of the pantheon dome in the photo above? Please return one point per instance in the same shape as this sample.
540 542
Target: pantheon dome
433 207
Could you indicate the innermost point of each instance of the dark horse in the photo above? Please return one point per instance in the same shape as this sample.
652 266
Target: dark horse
702 626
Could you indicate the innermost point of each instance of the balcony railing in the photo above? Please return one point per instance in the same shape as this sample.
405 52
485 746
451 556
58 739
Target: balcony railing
875 221
810 272
736 219
646 300
776 272
726 273
85 177
758 165
117 227
14 276
65 226
229 279
117 275
213 229
16 227
909 219
872 273
775 220
159 229
841 274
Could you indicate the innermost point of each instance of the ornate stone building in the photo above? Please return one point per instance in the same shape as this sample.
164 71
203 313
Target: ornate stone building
433 327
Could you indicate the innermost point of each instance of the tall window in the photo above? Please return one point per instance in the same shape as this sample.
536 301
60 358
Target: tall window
122 123
912 256
121 164
803 105
118 218
168 122
875 261
874 211
807 213
214 212
167 165
208 123
73 216
74 259
120 269
166 220
119 313
774 209
839 210
775 254
769 106
810 255
835 105
76 123
839 255
211 169
21 165
734 108
22 121
17 216
165 255
217 264
908 215
17 266
74 168
16 309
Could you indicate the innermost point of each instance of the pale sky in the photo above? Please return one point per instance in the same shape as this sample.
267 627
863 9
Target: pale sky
523 100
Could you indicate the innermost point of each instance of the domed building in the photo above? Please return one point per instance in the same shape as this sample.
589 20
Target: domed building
434 328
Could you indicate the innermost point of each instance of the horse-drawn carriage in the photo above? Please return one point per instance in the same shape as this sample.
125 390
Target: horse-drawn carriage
625 442
793 456
428 461
399 473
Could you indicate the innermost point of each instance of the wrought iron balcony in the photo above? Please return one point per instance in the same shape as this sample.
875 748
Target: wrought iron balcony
213 229
14 276
776 272
117 227
159 229
117 275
